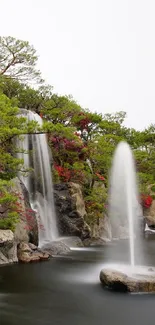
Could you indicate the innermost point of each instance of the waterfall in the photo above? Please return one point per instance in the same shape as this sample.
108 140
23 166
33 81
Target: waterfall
38 180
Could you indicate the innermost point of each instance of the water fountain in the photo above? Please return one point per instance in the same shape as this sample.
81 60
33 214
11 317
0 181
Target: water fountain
38 180
125 213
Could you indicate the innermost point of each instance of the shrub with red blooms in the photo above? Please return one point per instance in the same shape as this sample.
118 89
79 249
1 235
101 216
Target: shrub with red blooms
146 200
83 122
101 178
64 173
67 175
63 143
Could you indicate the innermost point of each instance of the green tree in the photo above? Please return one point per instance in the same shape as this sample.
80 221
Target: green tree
18 60
11 126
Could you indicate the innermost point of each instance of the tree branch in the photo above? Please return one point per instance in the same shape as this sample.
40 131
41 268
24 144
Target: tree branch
8 66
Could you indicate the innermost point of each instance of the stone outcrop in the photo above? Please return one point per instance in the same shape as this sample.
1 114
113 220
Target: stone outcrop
8 247
72 241
102 229
57 247
27 228
95 241
28 253
70 210
119 281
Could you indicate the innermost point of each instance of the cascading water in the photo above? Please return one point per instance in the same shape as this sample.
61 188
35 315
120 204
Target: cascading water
125 212
38 180
124 207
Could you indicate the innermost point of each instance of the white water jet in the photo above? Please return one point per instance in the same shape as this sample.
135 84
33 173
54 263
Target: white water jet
38 181
124 207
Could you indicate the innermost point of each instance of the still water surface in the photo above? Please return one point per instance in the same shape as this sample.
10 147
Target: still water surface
68 292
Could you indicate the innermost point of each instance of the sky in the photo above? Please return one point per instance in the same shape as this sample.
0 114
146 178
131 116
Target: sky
100 51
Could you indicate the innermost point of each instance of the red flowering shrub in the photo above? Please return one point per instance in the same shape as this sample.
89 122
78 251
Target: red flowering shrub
67 175
61 143
83 121
101 178
146 200
64 173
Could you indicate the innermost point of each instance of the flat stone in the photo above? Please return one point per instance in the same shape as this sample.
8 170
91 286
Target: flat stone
119 281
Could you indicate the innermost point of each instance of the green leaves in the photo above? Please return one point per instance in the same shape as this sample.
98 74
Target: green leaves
18 60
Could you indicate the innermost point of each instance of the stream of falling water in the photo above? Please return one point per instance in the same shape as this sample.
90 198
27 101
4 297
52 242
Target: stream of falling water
39 180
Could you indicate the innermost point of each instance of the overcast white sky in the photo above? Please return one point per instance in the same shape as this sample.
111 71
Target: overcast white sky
100 51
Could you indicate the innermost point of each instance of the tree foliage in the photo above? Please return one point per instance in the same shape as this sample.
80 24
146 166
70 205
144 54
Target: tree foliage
18 60
82 142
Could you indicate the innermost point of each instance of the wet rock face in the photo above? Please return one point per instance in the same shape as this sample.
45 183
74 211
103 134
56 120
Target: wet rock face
119 281
57 248
70 210
8 247
102 229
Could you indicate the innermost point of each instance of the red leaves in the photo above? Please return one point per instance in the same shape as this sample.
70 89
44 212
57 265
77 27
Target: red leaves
100 177
83 123
146 200
60 143
64 173
67 175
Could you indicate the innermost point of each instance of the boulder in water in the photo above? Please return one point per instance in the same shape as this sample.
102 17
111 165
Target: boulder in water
95 241
57 247
72 241
121 282
30 253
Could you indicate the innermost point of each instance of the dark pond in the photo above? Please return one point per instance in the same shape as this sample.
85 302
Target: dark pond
68 292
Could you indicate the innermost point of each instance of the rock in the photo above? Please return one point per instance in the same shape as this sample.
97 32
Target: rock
33 247
8 247
94 241
24 247
56 248
119 281
27 227
30 253
70 210
72 241
31 222
102 229
150 215
21 233
6 236
77 199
